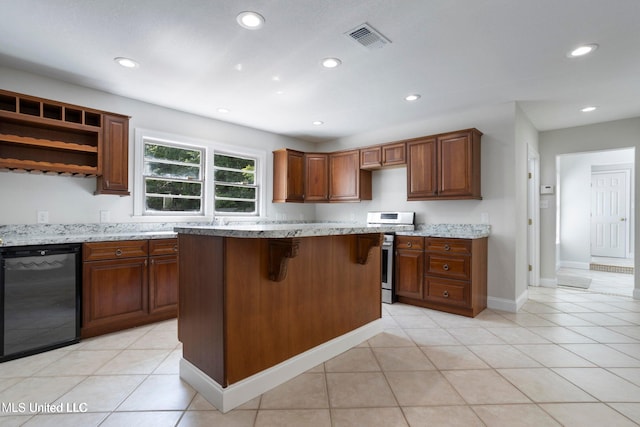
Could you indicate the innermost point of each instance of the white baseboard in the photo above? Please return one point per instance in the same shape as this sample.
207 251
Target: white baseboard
548 282
636 293
574 264
502 304
227 398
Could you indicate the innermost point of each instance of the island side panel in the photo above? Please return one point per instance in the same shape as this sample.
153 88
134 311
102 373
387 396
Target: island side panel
326 293
201 303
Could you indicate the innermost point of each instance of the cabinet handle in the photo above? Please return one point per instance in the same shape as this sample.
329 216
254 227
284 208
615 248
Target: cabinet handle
445 294
445 267
408 244
447 247
118 252
175 248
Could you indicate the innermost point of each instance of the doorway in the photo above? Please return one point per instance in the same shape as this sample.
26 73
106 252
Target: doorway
595 226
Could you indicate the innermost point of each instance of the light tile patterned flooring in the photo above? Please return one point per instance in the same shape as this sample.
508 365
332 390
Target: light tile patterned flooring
568 358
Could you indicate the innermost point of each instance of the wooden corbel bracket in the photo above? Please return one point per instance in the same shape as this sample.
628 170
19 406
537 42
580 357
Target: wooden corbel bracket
364 244
280 251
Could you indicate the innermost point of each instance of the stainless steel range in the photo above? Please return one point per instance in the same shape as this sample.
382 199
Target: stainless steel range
386 218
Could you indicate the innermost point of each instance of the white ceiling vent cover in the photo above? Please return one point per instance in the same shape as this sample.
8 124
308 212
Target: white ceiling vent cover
368 37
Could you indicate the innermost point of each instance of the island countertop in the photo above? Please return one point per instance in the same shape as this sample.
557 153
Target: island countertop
288 230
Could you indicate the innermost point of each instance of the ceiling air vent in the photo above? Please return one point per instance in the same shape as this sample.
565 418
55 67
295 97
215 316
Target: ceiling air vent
368 37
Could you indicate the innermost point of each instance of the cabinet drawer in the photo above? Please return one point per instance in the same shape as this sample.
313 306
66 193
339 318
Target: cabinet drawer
114 250
452 246
163 247
454 267
409 242
447 291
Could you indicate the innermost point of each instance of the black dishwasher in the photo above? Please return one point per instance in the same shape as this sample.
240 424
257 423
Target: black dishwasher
40 298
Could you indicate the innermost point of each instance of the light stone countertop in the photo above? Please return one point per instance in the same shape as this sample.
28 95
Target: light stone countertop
287 230
453 231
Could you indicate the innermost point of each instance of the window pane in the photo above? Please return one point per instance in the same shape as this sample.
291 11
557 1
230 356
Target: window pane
234 177
221 160
235 206
172 171
178 154
157 186
172 204
230 191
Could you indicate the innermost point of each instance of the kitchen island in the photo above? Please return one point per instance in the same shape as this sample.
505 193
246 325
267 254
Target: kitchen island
260 304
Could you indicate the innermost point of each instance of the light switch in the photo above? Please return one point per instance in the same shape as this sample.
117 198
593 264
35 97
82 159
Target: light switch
105 216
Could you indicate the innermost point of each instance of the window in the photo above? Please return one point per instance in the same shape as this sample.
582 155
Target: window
181 178
235 184
173 178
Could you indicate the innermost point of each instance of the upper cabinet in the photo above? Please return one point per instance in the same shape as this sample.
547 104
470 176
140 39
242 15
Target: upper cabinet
445 166
288 176
382 156
316 182
347 182
39 135
115 149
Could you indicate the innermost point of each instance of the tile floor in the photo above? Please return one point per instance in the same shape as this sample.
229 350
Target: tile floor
604 282
568 358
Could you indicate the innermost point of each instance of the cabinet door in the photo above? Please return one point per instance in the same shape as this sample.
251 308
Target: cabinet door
409 273
114 294
163 284
371 158
115 158
456 165
344 176
422 169
393 154
288 176
316 178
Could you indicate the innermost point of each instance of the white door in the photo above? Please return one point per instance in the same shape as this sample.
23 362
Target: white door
609 214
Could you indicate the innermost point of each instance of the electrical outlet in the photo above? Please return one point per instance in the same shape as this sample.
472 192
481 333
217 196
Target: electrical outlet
43 217
484 218
105 216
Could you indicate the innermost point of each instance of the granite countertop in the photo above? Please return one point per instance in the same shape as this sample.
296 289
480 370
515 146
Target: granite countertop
455 231
284 230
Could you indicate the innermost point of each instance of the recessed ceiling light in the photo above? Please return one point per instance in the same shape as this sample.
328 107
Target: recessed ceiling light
413 97
126 62
588 109
331 62
318 123
250 20
280 92
582 50
223 110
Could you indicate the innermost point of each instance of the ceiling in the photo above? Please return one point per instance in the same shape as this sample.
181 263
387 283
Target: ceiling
457 54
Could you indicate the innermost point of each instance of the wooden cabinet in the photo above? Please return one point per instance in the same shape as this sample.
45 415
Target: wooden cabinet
409 266
382 156
128 283
371 157
316 182
115 160
288 176
347 182
39 135
452 275
445 166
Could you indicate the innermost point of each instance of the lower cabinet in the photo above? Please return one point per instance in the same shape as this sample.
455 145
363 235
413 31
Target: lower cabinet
128 283
442 273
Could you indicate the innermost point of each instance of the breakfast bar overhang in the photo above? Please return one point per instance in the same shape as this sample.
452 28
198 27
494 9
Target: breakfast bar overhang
260 304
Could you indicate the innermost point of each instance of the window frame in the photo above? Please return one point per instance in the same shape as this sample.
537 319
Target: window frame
255 184
210 148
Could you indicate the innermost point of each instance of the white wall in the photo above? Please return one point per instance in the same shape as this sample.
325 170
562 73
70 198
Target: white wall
498 188
71 200
610 135
574 192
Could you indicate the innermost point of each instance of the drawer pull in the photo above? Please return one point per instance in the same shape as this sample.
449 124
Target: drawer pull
445 267
447 247
445 294
408 244
118 252
175 248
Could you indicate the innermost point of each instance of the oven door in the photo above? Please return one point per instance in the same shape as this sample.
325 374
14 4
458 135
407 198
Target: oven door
388 291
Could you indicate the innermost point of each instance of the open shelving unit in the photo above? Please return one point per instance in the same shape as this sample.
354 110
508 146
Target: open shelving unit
39 135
